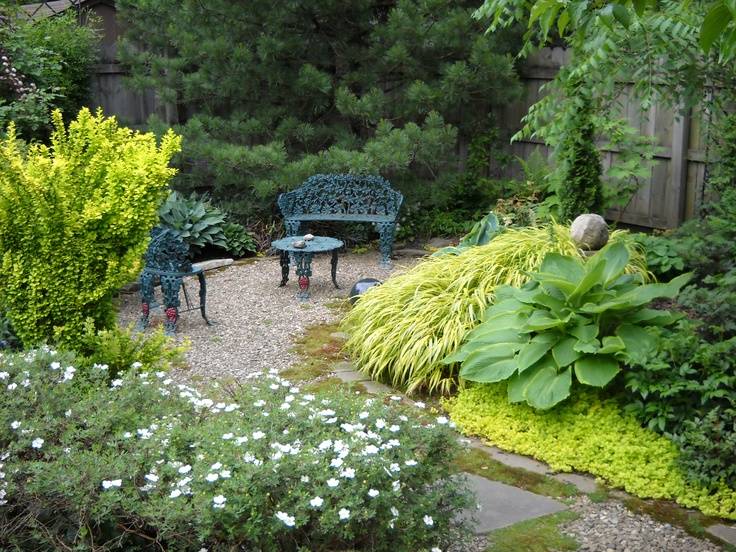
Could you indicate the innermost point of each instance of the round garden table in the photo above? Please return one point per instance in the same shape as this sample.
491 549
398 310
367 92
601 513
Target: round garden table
303 259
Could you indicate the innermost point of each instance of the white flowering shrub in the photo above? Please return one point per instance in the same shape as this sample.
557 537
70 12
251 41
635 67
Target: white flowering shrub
141 462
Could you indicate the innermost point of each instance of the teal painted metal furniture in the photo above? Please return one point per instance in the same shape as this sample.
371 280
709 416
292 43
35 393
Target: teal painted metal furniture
303 259
344 197
167 261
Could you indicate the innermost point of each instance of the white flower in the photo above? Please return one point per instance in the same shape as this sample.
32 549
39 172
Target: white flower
114 483
218 501
348 473
308 397
396 485
394 467
288 520
394 511
37 443
212 477
68 413
316 502
216 466
259 403
395 398
225 474
363 415
410 463
274 386
336 462
373 493
324 445
436 549
428 521
332 482
231 407
12 387
116 383
55 365
227 436
285 406
327 412
344 514
241 440
15 424
185 469
175 493
348 428
183 482
394 428
136 365
370 449
258 435
380 424
442 420
419 404
152 477
4 375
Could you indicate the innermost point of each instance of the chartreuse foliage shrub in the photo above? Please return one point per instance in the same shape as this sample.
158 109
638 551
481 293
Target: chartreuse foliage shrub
143 463
588 434
75 219
402 330
585 318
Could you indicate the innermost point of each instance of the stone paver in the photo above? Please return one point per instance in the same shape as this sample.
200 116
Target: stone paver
583 483
376 388
501 505
343 366
351 376
511 459
726 533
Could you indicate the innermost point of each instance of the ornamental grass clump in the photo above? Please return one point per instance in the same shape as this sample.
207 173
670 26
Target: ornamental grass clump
402 330
140 462
75 219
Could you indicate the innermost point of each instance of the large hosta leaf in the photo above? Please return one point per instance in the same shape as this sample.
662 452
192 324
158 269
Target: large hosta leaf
564 352
537 347
488 372
547 387
518 383
596 370
639 343
640 295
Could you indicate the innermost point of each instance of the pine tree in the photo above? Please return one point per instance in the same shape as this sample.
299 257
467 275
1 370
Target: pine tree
271 93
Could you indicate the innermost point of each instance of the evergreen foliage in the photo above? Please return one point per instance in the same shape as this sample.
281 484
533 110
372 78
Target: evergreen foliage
270 95
74 222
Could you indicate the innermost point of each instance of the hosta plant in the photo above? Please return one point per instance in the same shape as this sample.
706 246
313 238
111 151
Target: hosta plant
238 240
196 220
572 317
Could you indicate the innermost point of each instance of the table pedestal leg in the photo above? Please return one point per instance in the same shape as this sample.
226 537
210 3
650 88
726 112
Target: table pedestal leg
303 271
284 268
334 268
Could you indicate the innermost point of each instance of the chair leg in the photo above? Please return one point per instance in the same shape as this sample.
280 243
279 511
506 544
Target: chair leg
147 299
386 231
170 286
203 297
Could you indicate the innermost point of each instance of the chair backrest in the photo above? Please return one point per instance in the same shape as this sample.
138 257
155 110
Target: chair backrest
167 252
348 194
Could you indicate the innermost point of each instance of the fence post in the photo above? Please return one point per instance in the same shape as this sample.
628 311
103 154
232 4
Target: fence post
675 197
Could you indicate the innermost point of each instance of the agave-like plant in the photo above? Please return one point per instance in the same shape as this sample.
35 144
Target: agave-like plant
573 317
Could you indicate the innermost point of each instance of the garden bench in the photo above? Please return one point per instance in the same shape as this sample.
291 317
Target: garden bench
347 198
167 260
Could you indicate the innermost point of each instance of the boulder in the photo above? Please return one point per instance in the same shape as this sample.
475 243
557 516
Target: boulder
589 231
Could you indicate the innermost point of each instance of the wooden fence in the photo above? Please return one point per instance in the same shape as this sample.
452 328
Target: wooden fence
672 193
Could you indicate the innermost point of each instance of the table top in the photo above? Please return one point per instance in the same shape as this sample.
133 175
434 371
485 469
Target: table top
317 245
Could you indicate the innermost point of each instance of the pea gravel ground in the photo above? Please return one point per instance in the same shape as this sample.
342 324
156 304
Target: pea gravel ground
254 320
255 323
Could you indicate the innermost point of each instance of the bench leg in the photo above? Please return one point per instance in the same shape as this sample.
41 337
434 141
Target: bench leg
170 286
292 227
334 268
303 272
386 231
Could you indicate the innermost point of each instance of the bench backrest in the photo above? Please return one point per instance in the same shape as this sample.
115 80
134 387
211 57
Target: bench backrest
342 194
167 252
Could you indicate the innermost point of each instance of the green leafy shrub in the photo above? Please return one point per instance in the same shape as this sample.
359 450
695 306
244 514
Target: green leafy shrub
687 391
400 331
588 434
8 339
194 219
120 348
142 463
708 449
54 56
74 222
663 260
238 240
585 318
712 301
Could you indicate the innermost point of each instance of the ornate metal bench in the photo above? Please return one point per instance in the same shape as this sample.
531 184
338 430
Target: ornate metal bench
345 197
167 260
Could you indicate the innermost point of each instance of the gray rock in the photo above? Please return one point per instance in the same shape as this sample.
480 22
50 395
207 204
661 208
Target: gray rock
439 243
589 231
726 533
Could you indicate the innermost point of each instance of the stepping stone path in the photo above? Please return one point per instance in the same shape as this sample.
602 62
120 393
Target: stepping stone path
501 505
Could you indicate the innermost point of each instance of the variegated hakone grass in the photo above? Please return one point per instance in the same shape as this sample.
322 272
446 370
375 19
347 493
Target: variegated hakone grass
401 330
